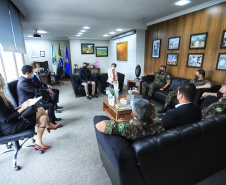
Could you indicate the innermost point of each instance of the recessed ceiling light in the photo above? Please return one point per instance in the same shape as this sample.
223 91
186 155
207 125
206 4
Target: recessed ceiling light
112 33
29 36
105 35
119 29
83 31
80 33
86 27
41 31
182 2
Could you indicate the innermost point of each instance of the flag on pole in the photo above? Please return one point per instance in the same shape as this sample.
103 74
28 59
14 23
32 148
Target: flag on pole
54 62
61 71
67 63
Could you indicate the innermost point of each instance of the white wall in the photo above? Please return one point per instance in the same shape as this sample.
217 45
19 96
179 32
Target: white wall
136 46
78 58
45 45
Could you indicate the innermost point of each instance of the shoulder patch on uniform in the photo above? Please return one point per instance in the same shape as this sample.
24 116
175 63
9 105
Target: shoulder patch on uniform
218 109
121 126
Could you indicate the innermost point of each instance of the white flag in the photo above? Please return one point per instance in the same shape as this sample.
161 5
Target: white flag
54 62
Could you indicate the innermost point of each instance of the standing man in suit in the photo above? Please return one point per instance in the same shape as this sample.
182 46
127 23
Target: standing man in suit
185 112
26 89
54 92
86 79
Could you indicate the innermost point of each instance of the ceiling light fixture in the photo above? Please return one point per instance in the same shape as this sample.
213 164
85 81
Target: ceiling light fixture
105 35
83 31
119 29
112 33
29 36
80 33
124 34
41 31
86 27
182 2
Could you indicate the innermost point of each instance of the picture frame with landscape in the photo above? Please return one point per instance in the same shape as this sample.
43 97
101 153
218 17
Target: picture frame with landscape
156 48
172 59
195 60
87 48
221 62
198 41
174 43
102 51
223 40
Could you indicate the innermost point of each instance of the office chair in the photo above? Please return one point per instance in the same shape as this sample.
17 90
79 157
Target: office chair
56 76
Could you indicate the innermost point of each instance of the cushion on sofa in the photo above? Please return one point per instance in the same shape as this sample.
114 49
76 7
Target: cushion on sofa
176 82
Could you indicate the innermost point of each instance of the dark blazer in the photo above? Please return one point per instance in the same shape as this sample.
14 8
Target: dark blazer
38 82
85 75
26 89
184 114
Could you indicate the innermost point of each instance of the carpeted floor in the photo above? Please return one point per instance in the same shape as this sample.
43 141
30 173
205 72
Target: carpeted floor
73 157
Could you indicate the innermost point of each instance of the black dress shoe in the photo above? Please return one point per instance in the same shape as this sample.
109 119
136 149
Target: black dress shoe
59 125
58 119
57 107
94 96
164 109
88 97
57 111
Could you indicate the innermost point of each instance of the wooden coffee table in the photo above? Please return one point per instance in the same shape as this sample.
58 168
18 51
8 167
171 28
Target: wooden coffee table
116 114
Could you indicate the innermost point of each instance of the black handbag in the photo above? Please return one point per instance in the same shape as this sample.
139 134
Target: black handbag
45 97
31 110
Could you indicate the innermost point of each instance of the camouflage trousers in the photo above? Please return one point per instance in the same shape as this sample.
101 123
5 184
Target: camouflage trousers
152 86
170 97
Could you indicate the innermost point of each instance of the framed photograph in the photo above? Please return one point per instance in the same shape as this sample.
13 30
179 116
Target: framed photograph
101 51
174 43
42 53
156 48
122 51
34 53
223 40
195 60
221 62
172 59
87 48
198 41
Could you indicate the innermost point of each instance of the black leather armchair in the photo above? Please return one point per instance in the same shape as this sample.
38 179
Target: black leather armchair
102 77
78 88
14 139
182 155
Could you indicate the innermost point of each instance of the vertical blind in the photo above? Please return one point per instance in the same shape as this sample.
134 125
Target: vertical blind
11 34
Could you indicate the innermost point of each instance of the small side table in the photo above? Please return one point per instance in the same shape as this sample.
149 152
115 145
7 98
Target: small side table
133 83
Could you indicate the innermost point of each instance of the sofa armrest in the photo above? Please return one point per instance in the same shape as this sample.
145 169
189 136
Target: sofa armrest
148 78
75 83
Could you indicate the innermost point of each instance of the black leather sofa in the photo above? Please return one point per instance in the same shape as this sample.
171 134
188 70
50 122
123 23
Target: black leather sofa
182 155
102 77
78 88
160 96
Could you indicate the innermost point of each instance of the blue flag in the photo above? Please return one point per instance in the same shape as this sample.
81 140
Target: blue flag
67 64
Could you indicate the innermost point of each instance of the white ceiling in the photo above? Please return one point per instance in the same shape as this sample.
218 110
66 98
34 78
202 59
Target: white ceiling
63 19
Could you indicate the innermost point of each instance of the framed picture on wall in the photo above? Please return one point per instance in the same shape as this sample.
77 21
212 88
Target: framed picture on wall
221 62
195 60
87 48
173 43
101 51
156 48
34 53
172 59
198 41
122 51
223 40
42 53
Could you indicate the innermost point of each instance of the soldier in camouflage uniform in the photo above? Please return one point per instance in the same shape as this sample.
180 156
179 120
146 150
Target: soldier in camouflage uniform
162 81
140 126
219 107
199 81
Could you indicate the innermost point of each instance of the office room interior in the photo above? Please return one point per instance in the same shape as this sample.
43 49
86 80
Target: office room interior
99 60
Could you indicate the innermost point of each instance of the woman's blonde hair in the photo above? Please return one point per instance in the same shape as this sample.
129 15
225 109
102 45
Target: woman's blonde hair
2 92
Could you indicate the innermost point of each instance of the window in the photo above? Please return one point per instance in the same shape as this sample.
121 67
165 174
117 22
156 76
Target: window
10 65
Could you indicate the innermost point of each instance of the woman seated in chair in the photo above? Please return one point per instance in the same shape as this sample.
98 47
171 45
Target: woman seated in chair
112 76
11 124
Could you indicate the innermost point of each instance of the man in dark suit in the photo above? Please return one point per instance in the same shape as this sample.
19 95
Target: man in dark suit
185 112
53 92
86 79
26 89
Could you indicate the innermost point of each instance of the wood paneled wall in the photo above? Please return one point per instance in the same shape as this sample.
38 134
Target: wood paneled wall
211 20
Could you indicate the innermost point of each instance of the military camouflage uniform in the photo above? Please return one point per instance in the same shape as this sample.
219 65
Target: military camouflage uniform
173 94
214 109
134 129
159 82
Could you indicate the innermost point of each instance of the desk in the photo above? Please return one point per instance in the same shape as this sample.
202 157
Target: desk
45 78
93 70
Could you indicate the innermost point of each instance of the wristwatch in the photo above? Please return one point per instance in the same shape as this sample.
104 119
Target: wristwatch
209 93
